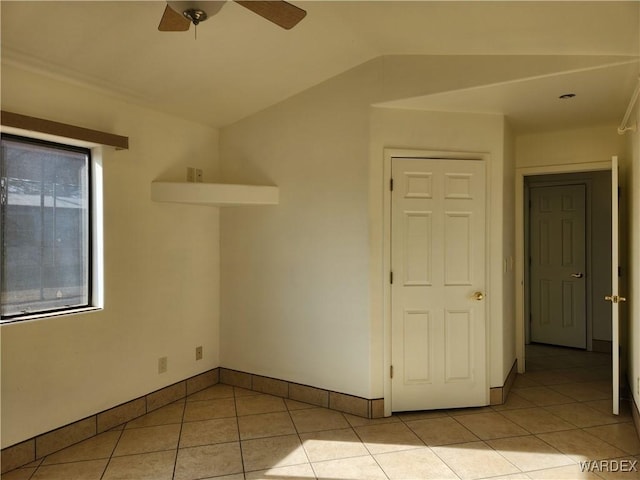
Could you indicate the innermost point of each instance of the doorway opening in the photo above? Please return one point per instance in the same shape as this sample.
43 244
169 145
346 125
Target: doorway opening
567 262
523 296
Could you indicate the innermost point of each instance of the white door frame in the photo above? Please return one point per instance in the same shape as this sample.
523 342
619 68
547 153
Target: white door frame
389 154
520 244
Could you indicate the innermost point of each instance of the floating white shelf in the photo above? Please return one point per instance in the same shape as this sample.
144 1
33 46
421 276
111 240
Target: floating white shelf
214 194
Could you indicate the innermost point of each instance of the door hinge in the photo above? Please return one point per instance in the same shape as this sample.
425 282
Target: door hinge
391 185
3 191
391 277
391 371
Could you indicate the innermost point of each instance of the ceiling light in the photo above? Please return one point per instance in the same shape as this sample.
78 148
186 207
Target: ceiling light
567 96
196 11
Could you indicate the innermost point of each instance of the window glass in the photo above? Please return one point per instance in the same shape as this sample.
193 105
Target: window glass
45 227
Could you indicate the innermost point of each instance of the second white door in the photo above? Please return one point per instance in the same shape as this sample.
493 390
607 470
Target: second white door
558 265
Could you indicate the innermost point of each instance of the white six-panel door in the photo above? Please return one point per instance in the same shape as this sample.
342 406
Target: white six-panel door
438 293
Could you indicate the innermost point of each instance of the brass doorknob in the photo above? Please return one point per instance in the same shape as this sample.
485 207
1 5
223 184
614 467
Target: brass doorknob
615 299
478 296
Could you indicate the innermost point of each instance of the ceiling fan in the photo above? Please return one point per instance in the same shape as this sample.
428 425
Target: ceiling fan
179 15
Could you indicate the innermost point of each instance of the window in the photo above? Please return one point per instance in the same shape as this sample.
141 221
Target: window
45 233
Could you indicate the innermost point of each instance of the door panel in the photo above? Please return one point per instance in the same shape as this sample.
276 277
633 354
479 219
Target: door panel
458 346
558 263
418 348
458 244
438 261
417 251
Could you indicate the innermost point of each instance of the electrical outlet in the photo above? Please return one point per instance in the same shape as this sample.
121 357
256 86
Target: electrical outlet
198 175
191 174
199 353
162 364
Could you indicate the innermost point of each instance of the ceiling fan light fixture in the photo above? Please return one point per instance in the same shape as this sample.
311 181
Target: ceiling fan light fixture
180 14
196 11
195 16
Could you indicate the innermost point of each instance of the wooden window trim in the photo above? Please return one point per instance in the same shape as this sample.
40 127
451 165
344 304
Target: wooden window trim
24 122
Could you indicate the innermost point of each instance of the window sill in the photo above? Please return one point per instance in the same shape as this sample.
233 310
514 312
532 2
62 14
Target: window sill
41 316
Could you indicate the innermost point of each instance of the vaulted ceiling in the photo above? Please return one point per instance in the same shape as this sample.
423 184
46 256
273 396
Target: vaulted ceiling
240 64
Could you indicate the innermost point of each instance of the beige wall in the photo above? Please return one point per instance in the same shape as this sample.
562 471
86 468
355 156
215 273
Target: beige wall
161 271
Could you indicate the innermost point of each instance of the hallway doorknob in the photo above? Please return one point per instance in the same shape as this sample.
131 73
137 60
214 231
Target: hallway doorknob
615 299
478 296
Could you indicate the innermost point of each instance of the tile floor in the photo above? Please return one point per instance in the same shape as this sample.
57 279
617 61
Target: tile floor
556 416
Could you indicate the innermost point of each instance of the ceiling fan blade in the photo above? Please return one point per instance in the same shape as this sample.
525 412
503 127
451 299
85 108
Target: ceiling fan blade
279 12
172 21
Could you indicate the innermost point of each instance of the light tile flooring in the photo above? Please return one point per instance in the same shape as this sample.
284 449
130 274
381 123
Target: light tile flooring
556 416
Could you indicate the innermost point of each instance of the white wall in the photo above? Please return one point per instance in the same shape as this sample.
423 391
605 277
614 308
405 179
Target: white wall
631 164
295 285
161 271
594 144
633 228
508 207
302 281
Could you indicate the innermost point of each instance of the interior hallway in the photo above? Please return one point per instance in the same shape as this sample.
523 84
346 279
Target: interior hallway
556 416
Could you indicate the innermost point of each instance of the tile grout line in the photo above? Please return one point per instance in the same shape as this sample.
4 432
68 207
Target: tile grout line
372 455
184 411
235 407
295 428
34 471
113 450
485 442
450 467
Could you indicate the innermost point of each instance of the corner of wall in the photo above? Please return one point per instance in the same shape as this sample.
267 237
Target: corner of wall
633 234
509 254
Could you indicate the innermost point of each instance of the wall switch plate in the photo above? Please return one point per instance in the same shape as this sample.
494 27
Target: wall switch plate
162 364
191 174
199 353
